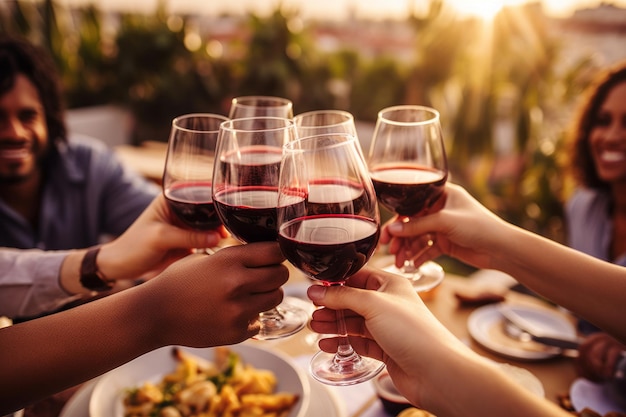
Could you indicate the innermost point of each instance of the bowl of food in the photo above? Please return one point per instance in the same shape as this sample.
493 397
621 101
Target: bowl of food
181 381
393 402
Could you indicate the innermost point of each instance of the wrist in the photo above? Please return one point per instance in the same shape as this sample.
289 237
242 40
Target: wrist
91 277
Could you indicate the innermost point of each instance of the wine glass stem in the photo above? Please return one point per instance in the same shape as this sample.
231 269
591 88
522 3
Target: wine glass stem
409 266
272 318
344 349
345 359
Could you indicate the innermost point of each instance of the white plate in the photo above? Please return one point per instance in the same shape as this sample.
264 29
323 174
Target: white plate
586 394
325 402
106 398
78 405
485 326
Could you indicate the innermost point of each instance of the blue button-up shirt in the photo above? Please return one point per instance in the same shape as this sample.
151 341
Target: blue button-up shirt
87 195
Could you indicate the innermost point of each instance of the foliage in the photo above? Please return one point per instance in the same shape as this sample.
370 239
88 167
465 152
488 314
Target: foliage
497 86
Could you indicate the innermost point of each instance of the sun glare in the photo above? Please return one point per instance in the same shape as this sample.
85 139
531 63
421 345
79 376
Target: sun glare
484 9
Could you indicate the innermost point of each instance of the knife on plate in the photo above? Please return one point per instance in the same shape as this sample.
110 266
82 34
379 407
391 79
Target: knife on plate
518 327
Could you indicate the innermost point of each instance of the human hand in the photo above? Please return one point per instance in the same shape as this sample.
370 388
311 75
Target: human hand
152 243
461 227
215 300
387 320
598 355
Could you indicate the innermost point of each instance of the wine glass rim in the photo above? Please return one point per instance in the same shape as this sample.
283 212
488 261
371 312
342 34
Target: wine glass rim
291 146
228 124
349 116
409 107
275 101
176 121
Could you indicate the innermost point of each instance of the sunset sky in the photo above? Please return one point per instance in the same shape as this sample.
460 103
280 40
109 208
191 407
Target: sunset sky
339 8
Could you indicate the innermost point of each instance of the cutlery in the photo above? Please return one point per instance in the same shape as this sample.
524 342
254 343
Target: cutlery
521 329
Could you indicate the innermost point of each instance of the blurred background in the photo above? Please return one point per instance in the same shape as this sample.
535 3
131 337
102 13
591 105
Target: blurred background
504 74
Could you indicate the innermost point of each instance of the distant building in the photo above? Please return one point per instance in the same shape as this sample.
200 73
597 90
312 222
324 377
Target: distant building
599 32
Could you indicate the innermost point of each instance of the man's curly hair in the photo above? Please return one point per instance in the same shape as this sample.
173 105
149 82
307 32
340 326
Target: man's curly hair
19 56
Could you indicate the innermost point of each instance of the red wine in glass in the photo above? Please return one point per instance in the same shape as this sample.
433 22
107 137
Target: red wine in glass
329 227
408 166
192 203
249 213
188 171
251 165
330 248
408 190
335 196
245 180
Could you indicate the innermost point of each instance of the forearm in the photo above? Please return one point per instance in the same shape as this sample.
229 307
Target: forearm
29 282
591 288
96 337
476 388
108 264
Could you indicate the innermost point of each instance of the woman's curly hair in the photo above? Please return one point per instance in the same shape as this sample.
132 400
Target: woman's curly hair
581 160
19 56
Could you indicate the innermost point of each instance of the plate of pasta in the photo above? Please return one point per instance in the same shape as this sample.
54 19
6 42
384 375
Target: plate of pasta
174 381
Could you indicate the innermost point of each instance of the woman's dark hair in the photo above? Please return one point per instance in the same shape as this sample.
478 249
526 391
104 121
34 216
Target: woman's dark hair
18 56
581 160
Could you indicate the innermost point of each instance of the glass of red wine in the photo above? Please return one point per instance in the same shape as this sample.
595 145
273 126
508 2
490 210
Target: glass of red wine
188 172
408 166
255 106
245 193
328 228
317 122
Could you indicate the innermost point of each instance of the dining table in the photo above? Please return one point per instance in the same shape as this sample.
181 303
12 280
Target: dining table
555 373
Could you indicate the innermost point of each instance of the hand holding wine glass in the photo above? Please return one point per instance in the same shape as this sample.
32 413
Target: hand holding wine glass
328 228
245 193
408 166
188 172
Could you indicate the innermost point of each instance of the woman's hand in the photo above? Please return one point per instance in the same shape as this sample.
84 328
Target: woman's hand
387 320
461 227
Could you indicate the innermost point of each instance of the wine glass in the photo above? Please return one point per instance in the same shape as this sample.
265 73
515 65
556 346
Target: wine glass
317 122
245 193
255 106
188 172
328 228
408 166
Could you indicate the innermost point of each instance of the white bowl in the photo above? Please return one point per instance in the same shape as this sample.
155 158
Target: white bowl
106 399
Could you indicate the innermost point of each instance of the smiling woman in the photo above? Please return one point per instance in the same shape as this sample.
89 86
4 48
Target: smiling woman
596 212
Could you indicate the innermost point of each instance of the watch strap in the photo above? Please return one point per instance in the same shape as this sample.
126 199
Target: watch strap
90 277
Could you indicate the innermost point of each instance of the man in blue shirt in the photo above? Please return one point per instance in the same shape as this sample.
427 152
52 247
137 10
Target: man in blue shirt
56 193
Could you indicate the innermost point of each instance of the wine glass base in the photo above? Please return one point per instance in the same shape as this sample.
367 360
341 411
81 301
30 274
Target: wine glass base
426 277
326 370
282 321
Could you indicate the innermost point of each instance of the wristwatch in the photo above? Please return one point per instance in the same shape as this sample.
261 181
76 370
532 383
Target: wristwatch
90 277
